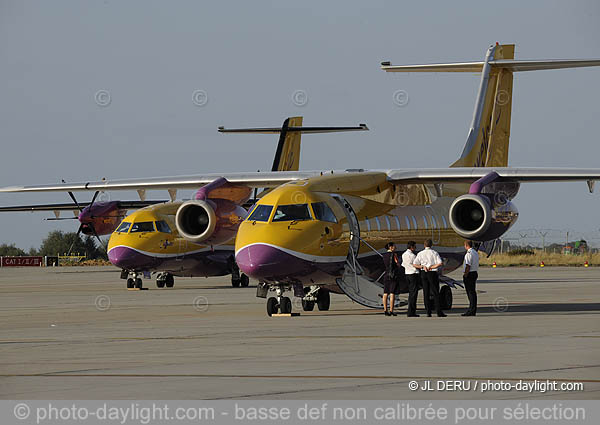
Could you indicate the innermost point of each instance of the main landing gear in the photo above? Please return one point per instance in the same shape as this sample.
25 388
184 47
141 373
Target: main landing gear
241 280
165 279
313 295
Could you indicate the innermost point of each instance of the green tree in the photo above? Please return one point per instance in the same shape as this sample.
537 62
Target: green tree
59 243
11 250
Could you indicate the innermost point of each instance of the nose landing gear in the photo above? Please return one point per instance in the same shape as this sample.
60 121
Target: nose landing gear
280 303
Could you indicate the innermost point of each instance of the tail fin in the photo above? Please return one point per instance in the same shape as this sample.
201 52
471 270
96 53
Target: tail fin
287 155
489 134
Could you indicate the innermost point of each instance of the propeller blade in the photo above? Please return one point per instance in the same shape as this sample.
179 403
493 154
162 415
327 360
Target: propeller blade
76 237
98 237
73 197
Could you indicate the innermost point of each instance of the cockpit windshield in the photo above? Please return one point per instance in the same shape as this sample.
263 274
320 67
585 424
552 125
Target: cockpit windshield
323 212
294 212
163 227
261 213
143 226
123 227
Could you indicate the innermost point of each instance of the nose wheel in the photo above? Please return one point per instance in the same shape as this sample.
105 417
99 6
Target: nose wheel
279 304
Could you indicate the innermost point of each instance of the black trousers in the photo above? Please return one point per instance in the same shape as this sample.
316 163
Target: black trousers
431 288
470 281
413 292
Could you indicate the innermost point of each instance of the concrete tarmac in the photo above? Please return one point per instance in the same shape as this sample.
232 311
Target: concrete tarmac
77 333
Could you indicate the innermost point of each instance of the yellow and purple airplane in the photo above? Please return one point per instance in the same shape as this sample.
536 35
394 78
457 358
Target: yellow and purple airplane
322 231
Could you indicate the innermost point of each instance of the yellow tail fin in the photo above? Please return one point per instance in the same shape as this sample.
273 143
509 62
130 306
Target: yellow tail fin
287 156
489 135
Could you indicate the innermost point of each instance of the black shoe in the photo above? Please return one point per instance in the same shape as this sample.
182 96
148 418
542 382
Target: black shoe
393 314
442 315
428 314
387 313
466 313
412 315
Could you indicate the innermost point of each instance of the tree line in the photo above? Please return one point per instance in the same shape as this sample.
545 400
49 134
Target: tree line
58 243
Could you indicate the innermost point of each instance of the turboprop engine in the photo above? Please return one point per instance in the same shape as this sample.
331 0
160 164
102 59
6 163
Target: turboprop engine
210 221
482 217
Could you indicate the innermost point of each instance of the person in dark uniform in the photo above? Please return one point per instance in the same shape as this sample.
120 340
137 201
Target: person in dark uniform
390 282
470 277
430 261
412 277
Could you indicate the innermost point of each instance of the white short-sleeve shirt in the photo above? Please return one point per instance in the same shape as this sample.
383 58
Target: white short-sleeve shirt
428 257
472 260
407 262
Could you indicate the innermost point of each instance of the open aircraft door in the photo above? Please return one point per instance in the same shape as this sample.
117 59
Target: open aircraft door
354 282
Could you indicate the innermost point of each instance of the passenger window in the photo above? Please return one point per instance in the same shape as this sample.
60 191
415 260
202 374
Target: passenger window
389 224
368 224
444 221
397 223
434 222
407 222
261 213
163 227
123 227
323 212
414 220
378 224
144 226
295 212
425 222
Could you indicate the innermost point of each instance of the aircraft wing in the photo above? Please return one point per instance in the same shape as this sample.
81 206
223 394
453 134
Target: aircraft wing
471 174
70 206
255 179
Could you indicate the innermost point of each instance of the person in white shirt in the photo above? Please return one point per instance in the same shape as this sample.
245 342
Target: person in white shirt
471 266
429 261
412 277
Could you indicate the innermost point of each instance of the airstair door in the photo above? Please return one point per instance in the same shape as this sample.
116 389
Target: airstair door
354 283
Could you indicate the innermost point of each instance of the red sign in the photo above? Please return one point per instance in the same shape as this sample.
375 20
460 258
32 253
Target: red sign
21 261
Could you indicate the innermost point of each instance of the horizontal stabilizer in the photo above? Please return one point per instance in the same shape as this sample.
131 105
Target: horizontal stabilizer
510 65
305 130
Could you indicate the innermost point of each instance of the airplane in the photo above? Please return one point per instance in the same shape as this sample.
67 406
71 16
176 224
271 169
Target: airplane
327 233
322 231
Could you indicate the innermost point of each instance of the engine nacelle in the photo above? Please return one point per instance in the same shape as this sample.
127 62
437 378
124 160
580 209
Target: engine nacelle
212 221
101 218
482 217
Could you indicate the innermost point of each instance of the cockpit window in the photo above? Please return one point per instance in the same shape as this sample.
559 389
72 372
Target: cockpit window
143 226
323 212
123 227
163 227
261 213
295 212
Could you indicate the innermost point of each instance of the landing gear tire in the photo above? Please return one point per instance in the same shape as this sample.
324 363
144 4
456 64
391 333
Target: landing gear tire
244 281
130 283
235 283
160 283
323 299
285 305
138 283
445 297
272 306
308 305
170 281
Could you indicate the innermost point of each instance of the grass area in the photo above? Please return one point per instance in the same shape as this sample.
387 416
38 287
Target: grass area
549 259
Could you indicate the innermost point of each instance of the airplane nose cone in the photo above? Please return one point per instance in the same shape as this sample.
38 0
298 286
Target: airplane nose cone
127 258
267 262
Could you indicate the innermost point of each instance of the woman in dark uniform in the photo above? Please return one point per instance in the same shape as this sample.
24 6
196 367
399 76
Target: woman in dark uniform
390 280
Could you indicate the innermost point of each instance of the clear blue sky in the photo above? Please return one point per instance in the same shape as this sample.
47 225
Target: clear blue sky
249 57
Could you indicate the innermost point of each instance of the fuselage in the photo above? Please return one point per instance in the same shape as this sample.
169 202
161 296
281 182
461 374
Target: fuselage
147 240
302 232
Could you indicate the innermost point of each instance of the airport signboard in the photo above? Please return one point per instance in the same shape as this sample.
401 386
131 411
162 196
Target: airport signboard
21 261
